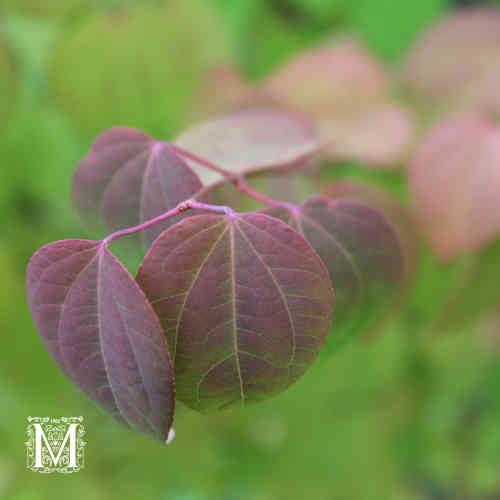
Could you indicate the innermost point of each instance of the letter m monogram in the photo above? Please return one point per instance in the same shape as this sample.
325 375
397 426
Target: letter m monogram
55 445
41 438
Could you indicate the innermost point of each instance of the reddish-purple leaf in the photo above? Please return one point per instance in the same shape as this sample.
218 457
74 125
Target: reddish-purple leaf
455 181
398 214
100 329
128 178
245 303
251 139
361 252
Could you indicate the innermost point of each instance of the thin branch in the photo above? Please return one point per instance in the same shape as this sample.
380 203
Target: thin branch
201 161
237 179
181 207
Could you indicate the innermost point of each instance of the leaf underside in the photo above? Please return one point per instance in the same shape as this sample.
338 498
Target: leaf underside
245 303
99 328
249 140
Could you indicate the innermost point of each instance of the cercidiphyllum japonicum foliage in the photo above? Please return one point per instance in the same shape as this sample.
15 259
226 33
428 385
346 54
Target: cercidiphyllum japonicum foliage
254 309
106 62
101 331
367 260
8 81
128 177
358 287
340 87
241 302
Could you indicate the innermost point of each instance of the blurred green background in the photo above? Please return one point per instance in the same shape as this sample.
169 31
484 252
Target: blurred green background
400 414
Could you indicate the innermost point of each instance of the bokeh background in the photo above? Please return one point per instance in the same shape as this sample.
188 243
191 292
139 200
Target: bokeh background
408 411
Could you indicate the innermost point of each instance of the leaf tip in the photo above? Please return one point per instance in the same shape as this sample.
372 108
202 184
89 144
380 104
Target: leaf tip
170 437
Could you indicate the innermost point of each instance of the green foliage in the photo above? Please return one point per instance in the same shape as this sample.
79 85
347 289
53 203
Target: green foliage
263 35
389 26
107 63
40 149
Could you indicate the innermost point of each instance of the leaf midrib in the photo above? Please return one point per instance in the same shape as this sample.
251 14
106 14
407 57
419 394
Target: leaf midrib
188 291
280 291
235 320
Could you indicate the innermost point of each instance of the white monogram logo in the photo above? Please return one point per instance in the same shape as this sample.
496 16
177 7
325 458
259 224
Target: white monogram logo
55 444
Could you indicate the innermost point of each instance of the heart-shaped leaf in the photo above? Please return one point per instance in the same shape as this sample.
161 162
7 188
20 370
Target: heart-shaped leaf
361 252
100 329
245 303
249 140
455 181
128 178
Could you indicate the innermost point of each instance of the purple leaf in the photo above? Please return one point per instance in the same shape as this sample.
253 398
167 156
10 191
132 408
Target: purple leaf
100 329
396 213
249 140
361 252
245 303
128 178
455 181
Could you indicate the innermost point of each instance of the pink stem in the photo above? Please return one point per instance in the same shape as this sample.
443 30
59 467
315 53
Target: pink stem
199 160
181 207
237 179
